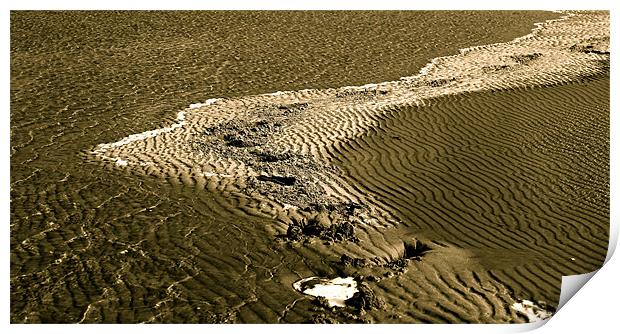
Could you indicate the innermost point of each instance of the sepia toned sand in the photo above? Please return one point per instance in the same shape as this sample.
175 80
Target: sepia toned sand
514 178
460 194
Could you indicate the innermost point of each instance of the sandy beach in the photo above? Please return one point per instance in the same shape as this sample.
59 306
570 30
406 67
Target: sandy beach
460 192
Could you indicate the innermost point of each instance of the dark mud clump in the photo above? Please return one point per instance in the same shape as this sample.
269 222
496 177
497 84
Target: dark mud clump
335 232
592 45
322 302
283 176
377 269
365 299
440 82
295 233
324 230
364 93
281 180
494 68
248 133
399 265
328 221
243 134
272 157
415 250
338 316
291 179
287 109
526 58
240 140
348 261
323 319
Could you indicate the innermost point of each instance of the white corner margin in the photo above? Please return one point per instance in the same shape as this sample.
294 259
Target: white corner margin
573 283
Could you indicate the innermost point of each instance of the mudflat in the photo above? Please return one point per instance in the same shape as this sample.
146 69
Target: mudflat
458 194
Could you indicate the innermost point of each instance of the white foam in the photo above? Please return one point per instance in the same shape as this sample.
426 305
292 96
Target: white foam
336 290
363 87
276 93
102 148
533 312
208 102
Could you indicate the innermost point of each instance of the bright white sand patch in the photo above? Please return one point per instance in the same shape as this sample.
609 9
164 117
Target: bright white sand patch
532 311
336 290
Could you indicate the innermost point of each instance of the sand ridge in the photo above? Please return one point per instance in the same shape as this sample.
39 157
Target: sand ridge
553 53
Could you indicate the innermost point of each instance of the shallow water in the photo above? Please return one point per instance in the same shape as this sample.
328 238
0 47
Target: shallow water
95 244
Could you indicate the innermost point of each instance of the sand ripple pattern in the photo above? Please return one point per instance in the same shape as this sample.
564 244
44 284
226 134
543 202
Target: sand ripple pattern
518 178
549 55
316 125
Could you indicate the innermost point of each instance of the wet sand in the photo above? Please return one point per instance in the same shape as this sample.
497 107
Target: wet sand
446 214
517 181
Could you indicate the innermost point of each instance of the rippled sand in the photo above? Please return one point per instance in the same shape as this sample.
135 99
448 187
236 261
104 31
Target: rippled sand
449 195
214 146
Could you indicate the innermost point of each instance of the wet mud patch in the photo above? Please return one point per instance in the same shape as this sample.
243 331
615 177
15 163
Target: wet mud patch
288 178
440 82
337 232
243 134
363 93
376 269
365 299
328 222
